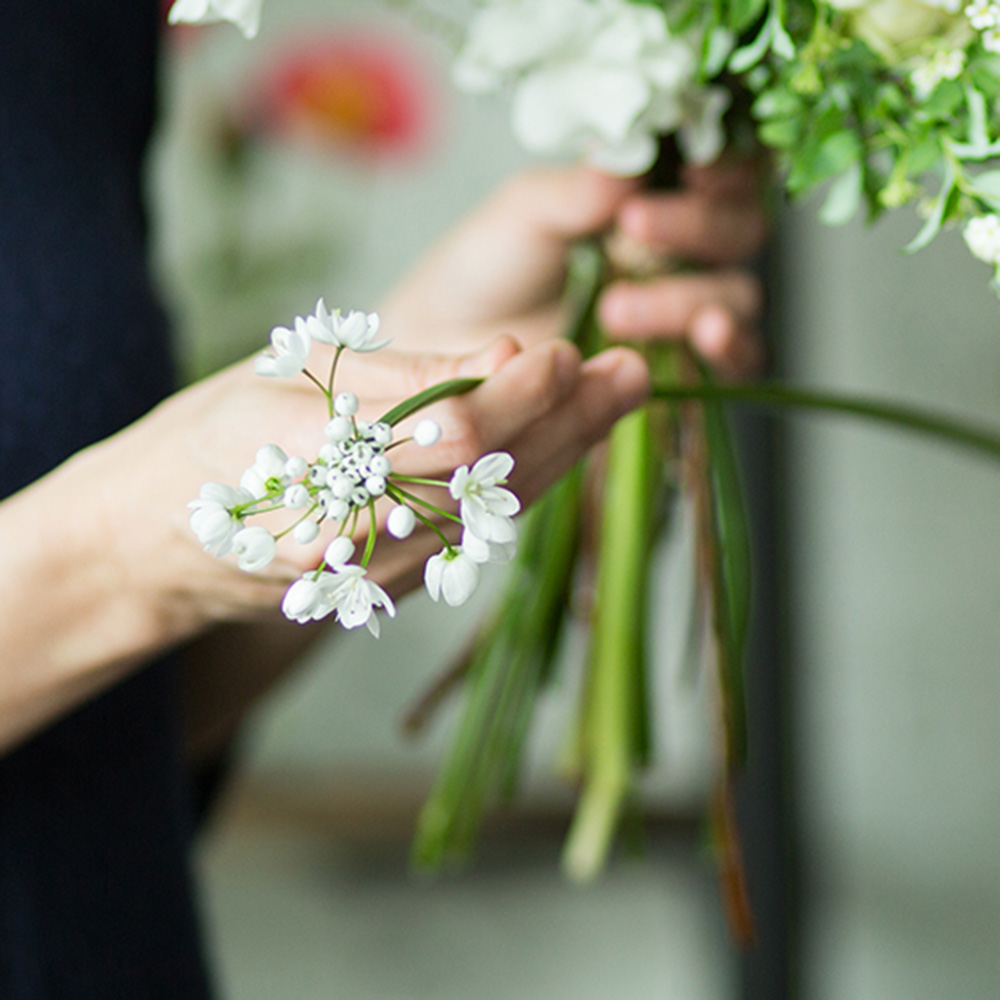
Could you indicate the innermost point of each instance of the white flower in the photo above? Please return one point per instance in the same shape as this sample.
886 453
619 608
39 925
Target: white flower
267 472
355 599
308 599
487 552
400 522
486 508
982 235
212 518
991 39
291 349
945 64
451 574
355 331
254 547
245 14
983 14
884 25
598 77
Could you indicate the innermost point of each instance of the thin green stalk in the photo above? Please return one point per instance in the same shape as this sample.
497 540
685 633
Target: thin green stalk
903 416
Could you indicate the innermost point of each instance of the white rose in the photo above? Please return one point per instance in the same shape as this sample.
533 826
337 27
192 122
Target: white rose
884 25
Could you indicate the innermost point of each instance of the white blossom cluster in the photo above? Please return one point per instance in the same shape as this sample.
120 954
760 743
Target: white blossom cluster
601 78
984 16
350 473
245 14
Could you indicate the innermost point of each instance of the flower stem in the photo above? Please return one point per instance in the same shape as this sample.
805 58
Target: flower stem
413 498
903 416
372 535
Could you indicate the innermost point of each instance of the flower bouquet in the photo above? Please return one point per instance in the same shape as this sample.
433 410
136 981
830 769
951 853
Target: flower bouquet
881 103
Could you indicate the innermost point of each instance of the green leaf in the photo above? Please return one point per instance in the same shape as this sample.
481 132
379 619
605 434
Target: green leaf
732 541
748 56
776 103
443 390
978 134
843 198
987 187
743 13
932 226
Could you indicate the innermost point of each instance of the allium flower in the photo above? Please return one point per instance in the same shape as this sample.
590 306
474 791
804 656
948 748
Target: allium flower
487 552
486 508
308 599
400 522
291 348
356 331
245 14
597 77
267 472
212 518
254 548
355 598
453 575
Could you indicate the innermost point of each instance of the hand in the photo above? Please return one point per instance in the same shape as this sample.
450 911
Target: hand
502 271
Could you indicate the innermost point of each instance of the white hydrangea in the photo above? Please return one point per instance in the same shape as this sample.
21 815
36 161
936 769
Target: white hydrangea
601 78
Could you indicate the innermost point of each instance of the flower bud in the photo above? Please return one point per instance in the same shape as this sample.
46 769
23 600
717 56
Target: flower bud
305 532
339 429
427 433
345 404
296 496
338 551
400 522
375 485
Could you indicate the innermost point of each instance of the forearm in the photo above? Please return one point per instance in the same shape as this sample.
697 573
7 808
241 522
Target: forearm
72 622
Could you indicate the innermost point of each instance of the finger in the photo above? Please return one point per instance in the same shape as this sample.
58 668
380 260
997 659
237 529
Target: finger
396 375
733 348
666 307
562 202
695 226
610 385
738 178
521 392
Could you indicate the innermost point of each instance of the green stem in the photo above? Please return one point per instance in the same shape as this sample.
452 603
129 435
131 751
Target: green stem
897 415
372 534
413 498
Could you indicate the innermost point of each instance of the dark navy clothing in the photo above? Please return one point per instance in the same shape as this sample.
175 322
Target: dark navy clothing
95 821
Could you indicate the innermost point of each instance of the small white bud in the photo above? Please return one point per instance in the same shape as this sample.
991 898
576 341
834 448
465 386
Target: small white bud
296 467
340 485
427 433
345 404
337 510
338 551
317 475
305 532
375 485
359 496
382 433
331 453
400 522
339 429
380 465
296 496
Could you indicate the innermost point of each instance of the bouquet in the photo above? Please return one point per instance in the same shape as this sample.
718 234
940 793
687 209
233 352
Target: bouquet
881 103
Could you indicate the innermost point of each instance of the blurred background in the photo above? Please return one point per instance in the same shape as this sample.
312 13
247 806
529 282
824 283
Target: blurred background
320 160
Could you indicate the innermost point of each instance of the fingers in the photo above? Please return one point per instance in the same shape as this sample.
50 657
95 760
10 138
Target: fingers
395 375
696 226
610 385
563 203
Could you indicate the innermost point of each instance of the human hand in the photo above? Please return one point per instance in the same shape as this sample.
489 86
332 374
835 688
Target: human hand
502 270
542 404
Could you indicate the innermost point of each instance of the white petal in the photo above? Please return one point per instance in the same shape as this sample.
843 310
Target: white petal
461 576
493 468
433 572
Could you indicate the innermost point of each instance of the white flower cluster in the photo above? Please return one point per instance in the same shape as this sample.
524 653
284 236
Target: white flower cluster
601 78
350 473
984 16
245 14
